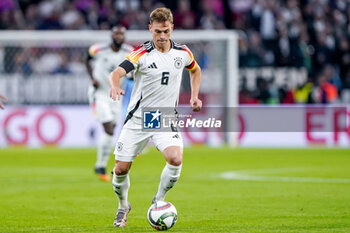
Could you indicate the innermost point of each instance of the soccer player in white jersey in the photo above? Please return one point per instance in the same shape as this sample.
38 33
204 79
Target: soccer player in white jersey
103 59
158 66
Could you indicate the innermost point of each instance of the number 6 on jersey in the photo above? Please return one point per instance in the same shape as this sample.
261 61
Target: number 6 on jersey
165 78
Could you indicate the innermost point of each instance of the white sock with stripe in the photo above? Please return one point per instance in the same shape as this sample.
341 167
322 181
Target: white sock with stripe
168 179
121 186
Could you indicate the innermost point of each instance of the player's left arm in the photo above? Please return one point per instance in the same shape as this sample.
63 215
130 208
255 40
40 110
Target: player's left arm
196 75
93 50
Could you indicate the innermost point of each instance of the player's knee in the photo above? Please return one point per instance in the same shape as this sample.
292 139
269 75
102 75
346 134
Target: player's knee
175 162
109 131
121 169
175 158
109 128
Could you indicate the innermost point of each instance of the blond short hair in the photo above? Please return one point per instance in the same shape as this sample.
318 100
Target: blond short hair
161 15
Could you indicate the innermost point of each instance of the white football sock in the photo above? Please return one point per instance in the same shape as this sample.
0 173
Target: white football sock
168 179
121 186
104 149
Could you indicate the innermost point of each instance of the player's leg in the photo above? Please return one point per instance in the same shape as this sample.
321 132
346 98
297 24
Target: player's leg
170 144
171 171
106 116
130 143
121 184
104 148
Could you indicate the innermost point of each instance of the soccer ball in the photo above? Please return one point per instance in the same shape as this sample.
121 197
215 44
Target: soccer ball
162 215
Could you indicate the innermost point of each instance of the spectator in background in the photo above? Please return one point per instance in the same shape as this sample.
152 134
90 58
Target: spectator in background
107 13
75 65
47 63
332 76
63 67
323 53
10 15
255 53
306 51
239 14
262 91
255 15
302 94
50 11
31 16
268 24
208 19
286 51
22 63
274 92
146 7
285 95
342 56
184 17
325 92
72 18
127 5
8 20
290 13
92 16
2 98
340 22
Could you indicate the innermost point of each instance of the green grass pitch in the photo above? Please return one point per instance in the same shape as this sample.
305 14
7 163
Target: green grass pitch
265 190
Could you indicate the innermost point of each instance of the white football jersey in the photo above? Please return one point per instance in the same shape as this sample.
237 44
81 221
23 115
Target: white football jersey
157 77
105 60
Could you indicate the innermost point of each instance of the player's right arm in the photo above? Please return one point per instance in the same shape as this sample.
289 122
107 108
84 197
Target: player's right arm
128 65
113 80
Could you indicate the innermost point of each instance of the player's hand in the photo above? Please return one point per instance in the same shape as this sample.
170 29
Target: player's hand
116 92
196 104
4 99
95 83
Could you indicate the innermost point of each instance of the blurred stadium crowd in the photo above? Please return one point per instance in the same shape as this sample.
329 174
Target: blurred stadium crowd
313 34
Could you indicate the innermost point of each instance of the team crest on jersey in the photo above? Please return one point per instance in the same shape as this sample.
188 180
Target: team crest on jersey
178 62
120 146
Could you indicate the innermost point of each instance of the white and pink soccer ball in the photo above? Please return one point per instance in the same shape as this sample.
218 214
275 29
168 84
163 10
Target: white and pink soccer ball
162 215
